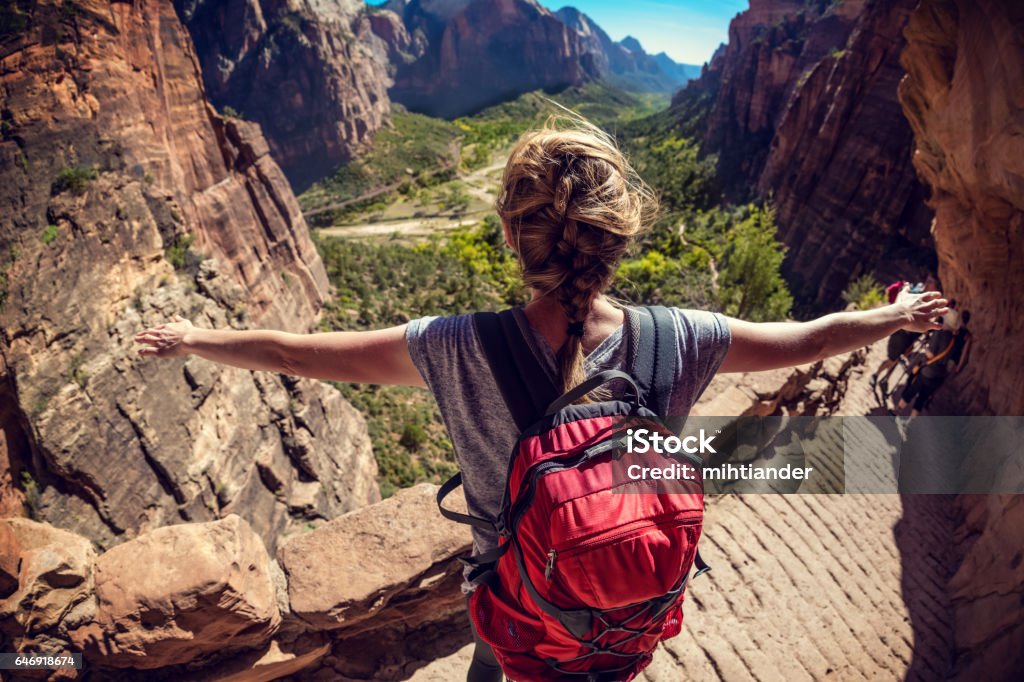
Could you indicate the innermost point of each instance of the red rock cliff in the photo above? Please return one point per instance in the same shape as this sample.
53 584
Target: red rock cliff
962 96
469 54
308 71
111 161
965 76
804 111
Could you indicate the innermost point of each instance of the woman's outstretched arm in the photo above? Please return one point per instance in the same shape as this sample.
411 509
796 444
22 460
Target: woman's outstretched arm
760 346
371 357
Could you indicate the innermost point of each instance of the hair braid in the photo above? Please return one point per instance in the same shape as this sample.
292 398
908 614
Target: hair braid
573 206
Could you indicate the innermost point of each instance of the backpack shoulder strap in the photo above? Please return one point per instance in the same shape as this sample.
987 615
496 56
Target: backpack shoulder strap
651 355
525 387
524 384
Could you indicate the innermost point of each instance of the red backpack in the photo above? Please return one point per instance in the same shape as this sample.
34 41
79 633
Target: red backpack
591 567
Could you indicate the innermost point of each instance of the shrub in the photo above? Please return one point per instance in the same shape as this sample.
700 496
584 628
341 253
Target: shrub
413 437
181 256
75 179
455 199
50 234
751 285
865 293
31 490
75 373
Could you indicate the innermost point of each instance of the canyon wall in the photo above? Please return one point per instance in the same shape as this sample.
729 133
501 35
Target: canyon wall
126 199
312 73
803 113
468 54
963 97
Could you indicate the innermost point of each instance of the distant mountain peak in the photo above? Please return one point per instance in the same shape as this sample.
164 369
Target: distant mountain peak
580 22
632 44
446 9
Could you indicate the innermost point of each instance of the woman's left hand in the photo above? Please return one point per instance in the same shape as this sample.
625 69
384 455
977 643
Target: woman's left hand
165 340
922 310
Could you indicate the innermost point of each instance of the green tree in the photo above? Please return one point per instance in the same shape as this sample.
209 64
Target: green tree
750 282
865 292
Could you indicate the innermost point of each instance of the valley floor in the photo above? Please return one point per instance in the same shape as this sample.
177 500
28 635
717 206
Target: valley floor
412 219
810 587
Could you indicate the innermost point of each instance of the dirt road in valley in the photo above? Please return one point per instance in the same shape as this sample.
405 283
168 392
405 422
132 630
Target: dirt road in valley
809 587
480 184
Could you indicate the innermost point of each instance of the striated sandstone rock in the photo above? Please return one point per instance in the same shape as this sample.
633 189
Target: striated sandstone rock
46 585
373 554
804 111
469 54
962 96
178 593
310 72
110 157
848 201
987 589
965 73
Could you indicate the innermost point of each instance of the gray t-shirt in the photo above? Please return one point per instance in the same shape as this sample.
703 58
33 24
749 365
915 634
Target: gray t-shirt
448 355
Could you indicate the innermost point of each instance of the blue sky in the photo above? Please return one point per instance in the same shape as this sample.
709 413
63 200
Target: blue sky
688 30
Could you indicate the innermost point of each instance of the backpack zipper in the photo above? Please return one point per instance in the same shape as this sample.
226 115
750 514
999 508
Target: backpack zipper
549 568
679 519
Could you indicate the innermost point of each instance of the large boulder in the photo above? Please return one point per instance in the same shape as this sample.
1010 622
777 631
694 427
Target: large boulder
181 592
46 583
343 574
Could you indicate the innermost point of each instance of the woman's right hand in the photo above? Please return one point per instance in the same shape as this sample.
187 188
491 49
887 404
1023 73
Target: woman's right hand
922 311
165 340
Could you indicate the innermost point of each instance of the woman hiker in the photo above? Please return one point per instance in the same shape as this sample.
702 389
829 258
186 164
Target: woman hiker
571 206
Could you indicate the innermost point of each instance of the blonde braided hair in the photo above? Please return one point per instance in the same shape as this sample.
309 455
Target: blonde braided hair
572 205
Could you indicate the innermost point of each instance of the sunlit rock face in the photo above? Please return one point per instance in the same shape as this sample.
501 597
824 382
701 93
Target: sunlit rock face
801 109
126 199
312 73
467 55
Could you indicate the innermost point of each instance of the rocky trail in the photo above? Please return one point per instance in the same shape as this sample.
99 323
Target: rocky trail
809 587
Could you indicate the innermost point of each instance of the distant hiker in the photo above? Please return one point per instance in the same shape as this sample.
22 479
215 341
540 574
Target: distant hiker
929 284
951 320
589 587
892 291
929 376
962 346
900 342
